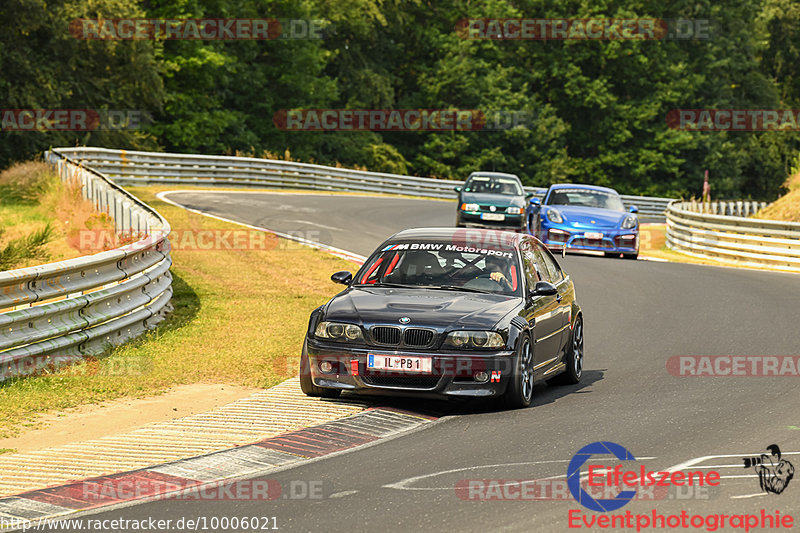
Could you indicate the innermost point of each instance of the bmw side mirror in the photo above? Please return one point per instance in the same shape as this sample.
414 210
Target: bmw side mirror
544 288
344 277
633 209
457 189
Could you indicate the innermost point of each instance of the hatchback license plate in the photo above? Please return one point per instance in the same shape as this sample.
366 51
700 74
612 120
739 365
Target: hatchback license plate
420 365
493 216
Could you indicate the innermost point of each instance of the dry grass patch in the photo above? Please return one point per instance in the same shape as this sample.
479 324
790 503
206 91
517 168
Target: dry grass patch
787 207
239 319
40 217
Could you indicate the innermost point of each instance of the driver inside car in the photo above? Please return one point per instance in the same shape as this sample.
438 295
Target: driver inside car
497 269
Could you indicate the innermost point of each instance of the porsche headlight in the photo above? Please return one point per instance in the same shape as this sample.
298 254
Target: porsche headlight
629 222
514 210
554 216
474 339
470 207
338 332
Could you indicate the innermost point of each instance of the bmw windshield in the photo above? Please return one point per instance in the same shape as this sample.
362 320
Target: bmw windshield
586 198
442 266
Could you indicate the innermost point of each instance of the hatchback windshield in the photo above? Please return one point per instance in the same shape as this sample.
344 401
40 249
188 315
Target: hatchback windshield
442 266
586 198
493 185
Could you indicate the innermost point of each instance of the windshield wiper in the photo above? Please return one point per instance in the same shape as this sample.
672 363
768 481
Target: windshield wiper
459 288
384 284
434 287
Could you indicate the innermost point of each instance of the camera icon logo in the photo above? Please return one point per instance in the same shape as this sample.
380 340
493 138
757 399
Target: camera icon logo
774 473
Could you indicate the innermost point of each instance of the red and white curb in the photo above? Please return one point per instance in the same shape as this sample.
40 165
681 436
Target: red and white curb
198 474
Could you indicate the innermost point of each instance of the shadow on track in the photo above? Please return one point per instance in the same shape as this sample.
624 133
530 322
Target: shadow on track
542 395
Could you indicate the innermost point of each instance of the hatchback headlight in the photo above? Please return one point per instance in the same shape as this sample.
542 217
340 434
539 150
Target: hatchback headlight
471 340
338 332
554 216
629 222
470 207
514 210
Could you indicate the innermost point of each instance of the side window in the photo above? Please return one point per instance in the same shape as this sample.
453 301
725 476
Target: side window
556 274
541 266
529 264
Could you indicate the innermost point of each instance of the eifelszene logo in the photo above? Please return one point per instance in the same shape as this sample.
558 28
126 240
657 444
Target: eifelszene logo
639 477
774 473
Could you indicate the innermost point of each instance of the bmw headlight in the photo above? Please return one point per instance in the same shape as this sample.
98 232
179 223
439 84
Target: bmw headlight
514 210
554 216
470 207
337 331
629 222
471 340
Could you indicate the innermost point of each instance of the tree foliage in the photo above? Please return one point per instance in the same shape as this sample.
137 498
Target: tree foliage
580 110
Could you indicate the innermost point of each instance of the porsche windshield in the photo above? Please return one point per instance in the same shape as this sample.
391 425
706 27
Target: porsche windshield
493 185
586 198
442 266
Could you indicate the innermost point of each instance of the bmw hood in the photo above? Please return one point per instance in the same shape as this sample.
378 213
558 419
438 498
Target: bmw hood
425 307
590 217
499 200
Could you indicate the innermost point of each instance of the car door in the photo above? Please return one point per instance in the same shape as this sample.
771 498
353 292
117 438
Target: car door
566 292
541 311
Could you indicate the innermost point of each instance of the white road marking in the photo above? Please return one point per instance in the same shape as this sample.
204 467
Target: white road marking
312 223
691 463
345 254
748 496
343 493
403 484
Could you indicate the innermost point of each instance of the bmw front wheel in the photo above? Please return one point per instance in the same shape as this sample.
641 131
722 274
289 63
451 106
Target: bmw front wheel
520 391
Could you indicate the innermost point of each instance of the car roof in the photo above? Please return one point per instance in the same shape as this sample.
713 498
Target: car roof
493 175
472 234
582 186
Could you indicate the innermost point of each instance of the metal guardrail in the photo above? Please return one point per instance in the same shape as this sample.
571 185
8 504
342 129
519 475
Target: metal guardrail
57 313
127 167
735 208
738 240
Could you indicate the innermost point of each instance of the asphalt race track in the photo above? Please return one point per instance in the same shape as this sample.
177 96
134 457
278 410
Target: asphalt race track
638 314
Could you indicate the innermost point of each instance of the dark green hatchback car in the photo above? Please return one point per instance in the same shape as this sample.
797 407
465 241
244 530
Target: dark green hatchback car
492 200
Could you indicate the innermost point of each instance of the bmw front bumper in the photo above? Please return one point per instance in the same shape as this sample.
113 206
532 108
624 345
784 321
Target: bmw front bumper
453 374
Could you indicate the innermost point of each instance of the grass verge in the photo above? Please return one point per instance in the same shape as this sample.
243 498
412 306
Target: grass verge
40 217
653 243
239 319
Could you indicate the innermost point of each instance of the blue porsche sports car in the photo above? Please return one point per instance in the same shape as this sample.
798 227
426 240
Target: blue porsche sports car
585 217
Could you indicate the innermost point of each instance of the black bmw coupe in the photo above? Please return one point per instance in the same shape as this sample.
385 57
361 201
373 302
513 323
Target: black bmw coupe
447 312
